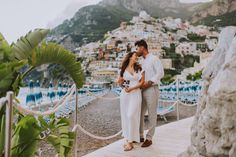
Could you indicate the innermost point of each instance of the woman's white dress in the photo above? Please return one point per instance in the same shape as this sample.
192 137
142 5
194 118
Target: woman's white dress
130 107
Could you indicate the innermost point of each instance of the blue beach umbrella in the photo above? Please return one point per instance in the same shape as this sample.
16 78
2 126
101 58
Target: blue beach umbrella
38 93
30 98
186 87
173 88
51 93
59 91
64 88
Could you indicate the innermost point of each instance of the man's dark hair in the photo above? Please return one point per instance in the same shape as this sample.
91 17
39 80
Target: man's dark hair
141 43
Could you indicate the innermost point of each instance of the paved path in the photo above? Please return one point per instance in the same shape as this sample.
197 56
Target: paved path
169 140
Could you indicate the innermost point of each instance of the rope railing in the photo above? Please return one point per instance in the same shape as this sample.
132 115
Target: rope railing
189 105
101 97
58 102
39 113
78 126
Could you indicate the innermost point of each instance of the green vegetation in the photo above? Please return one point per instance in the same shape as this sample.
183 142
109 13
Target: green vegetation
169 76
196 38
228 19
28 53
196 76
183 40
178 62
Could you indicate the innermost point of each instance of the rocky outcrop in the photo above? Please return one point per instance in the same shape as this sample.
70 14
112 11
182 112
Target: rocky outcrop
215 8
214 127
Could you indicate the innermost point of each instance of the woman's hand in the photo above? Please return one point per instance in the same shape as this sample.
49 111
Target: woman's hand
147 84
120 81
128 90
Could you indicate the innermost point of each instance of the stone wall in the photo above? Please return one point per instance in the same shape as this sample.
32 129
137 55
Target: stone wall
213 133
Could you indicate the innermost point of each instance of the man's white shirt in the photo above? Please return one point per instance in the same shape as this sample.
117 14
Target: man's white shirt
153 68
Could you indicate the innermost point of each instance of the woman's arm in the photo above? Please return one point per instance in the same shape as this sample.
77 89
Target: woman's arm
139 85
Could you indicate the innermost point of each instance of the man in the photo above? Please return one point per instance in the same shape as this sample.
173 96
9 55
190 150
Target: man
154 71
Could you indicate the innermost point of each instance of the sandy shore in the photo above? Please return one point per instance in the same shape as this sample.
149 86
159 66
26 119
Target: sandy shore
102 117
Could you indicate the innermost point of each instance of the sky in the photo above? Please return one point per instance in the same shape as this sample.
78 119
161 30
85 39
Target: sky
20 16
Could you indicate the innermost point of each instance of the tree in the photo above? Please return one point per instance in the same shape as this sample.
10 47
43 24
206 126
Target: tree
195 37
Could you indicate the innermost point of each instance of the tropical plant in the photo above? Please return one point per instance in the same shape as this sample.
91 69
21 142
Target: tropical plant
30 52
60 136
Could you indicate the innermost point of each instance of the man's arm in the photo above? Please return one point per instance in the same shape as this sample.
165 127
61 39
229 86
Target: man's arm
159 72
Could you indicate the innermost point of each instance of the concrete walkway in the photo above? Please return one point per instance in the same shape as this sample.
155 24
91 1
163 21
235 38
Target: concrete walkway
169 141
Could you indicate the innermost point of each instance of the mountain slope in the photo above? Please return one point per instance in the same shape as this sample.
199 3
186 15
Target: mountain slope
90 23
227 19
213 10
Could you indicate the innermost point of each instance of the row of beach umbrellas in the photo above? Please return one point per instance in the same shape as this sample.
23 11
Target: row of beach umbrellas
36 95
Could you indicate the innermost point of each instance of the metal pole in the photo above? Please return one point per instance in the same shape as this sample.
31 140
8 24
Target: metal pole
177 89
8 124
76 121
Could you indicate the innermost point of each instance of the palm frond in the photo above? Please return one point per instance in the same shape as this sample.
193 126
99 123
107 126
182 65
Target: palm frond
53 53
24 46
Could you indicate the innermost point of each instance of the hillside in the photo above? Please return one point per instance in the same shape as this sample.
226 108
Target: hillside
208 12
90 23
228 19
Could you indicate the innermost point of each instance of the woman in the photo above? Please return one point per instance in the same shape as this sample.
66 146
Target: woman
130 99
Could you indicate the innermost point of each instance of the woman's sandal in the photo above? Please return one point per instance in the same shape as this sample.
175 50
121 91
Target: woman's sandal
128 147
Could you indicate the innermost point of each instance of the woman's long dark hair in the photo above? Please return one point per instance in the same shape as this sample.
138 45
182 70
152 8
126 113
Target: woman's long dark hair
125 64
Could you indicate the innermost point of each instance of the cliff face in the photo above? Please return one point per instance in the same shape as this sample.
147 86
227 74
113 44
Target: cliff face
214 127
215 8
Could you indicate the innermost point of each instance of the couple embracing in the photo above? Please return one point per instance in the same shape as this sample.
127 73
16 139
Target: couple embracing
140 93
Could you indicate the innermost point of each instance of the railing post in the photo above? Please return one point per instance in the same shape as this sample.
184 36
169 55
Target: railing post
76 121
8 124
177 105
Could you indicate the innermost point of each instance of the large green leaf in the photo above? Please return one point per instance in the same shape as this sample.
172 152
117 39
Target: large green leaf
2 129
5 50
25 137
53 53
60 137
8 79
24 46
